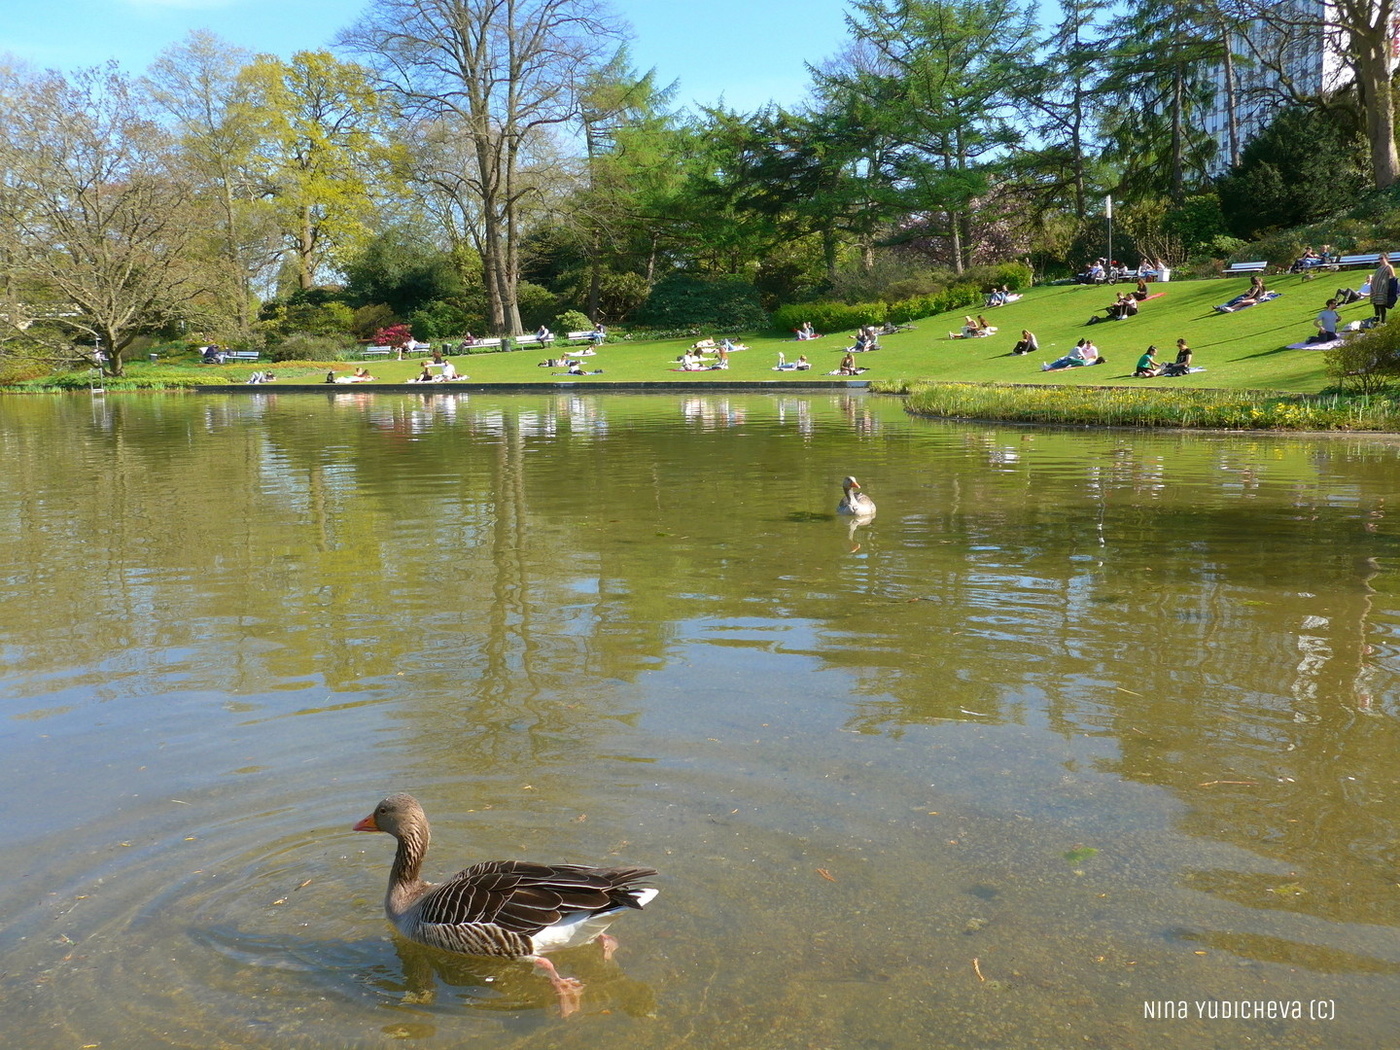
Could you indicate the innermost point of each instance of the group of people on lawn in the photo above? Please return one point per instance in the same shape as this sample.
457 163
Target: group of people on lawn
1381 290
1148 365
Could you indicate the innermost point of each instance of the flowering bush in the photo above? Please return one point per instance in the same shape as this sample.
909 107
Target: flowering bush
394 335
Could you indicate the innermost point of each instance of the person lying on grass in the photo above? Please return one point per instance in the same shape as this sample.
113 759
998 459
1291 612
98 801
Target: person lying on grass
1084 353
1257 294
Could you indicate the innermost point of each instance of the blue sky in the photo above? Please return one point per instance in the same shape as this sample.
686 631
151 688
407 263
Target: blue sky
746 51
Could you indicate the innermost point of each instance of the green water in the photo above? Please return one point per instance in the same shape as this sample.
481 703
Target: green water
1080 724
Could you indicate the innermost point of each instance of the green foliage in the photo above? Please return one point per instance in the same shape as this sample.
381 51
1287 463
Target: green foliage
401 269
1127 407
1366 363
1223 246
572 321
370 319
1197 222
829 318
439 320
621 293
314 312
720 303
538 305
305 346
971 290
958 297
1304 165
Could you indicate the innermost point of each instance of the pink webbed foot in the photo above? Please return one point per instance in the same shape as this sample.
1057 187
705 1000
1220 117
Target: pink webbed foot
569 989
609 943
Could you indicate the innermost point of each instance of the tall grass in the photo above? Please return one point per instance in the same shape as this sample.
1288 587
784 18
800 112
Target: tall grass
1150 407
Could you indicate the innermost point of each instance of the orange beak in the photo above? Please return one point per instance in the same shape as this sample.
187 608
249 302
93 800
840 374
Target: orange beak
367 824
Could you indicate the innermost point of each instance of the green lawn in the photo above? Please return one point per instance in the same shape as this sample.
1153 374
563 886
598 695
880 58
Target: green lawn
1243 350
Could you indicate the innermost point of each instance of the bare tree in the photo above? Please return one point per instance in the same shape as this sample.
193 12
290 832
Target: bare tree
197 82
97 217
496 75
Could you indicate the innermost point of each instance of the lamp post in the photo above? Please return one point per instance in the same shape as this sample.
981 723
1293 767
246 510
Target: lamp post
1108 214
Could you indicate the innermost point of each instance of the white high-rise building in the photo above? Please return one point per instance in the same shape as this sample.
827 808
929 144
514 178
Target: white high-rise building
1276 64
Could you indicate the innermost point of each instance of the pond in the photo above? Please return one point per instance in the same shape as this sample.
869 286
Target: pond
1088 738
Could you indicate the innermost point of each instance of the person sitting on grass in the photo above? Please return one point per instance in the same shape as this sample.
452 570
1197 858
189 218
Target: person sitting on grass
1147 366
848 365
1122 307
1140 293
1327 322
1182 364
1027 344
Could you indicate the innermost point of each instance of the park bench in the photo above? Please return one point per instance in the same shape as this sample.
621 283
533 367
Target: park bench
1246 267
1371 259
581 337
491 343
376 351
530 339
241 355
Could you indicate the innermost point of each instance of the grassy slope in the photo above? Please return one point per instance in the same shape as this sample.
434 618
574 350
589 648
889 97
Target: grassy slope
1239 351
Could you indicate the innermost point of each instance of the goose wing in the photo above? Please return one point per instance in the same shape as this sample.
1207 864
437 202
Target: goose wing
525 898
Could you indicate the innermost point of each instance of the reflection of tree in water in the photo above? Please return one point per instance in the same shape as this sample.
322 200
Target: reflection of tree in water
523 566
1228 645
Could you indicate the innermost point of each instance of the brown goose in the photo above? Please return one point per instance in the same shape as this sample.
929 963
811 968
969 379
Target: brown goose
513 909
855 501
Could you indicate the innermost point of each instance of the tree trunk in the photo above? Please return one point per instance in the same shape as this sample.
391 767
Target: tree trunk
1376 83
306 248
1178 180
1232 125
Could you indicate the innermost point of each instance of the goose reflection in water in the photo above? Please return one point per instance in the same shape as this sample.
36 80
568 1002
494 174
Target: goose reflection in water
506 985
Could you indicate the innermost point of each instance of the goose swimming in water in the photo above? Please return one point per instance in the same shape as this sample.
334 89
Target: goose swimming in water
505 908
855 501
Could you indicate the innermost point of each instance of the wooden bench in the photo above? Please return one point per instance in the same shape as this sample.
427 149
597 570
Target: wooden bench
590 336
241 355
519 342
376 351
1246 267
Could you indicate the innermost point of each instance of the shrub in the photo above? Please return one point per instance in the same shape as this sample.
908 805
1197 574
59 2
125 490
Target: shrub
312 311
572 321
370 319
394 335
829 317
439 320
621 293
714 303
1368 362
304 346
537 304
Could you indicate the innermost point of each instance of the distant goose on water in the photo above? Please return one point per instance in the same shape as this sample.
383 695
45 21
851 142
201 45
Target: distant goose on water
855 501
506 908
